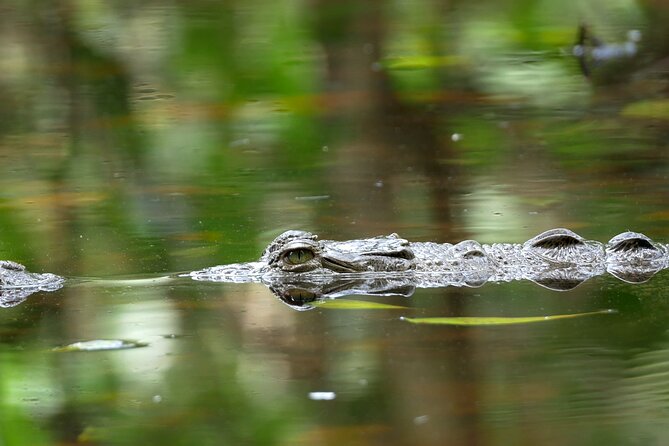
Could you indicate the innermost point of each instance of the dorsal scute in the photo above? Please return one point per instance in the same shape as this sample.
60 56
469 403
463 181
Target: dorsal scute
555 239
468 249
564 247
633 257
630 242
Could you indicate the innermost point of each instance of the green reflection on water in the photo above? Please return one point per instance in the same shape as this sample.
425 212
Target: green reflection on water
154 137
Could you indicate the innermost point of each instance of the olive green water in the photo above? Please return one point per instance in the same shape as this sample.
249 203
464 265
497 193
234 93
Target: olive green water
139 138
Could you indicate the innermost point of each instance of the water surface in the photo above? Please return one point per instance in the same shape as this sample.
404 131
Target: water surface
141 140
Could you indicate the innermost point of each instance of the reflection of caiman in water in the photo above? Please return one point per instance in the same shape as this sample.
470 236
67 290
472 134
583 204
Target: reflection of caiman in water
300 268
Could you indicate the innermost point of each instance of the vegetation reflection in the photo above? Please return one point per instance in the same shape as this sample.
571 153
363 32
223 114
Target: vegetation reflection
153 137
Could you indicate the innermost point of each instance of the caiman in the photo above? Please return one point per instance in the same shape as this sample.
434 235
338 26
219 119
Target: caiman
299 267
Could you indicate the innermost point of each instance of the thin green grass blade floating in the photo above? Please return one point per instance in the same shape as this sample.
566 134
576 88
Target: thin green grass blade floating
492 321
100 345
348 304
423 62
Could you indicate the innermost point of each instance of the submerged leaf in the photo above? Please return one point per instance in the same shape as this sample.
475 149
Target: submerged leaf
347 304
497 320
100 345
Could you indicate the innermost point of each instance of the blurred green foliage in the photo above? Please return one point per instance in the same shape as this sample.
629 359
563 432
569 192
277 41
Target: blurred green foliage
144 137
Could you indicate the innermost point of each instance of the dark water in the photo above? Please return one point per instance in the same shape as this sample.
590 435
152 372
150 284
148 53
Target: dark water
170 136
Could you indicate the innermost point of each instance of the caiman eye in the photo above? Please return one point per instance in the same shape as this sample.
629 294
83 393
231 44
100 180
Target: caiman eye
298 256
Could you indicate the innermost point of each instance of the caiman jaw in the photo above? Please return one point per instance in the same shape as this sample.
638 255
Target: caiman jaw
340 264
396 261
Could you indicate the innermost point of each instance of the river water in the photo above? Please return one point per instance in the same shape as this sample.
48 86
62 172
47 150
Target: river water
142 140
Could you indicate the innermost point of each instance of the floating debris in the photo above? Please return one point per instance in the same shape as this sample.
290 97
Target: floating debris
101 345
174 336
313 198
422 419
322 396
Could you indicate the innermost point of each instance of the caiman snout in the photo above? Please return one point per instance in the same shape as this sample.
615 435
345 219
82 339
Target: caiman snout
379 261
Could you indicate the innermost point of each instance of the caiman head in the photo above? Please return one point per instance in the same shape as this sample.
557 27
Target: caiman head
302 252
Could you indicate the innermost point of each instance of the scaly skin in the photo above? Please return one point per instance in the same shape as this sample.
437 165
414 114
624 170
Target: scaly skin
558 259
298 267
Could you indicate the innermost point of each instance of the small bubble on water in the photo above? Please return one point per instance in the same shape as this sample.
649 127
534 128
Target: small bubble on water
157 399
422 419
634 35
240 142
322 396
379 183
455 137
325 148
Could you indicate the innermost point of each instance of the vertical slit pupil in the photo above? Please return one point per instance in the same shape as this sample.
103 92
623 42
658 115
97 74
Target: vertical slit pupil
299 256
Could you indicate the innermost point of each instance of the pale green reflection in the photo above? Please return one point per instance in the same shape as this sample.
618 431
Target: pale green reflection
160 137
